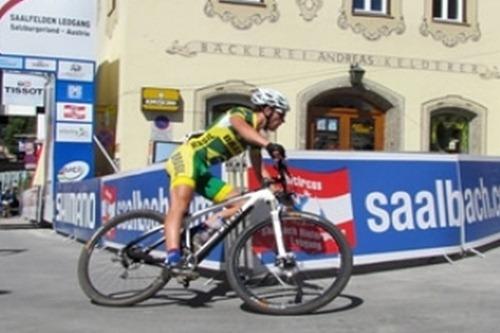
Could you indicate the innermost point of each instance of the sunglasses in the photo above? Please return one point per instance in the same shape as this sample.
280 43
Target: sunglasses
280 113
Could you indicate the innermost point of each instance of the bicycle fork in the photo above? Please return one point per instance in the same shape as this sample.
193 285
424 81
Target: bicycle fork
284 259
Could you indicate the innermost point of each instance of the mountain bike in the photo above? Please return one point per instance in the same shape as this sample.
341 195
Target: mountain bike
289 263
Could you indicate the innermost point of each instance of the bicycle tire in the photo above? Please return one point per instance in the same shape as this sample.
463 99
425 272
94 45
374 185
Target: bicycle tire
100 259
252 264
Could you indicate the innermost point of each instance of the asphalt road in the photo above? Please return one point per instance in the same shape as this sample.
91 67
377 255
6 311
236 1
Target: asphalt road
39 292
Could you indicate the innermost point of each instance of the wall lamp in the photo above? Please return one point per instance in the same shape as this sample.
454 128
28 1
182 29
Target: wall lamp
356 75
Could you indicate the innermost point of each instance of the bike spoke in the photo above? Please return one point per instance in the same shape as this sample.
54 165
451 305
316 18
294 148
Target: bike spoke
300 281
112 272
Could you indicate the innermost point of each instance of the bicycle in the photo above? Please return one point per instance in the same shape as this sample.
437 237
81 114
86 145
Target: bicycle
290 263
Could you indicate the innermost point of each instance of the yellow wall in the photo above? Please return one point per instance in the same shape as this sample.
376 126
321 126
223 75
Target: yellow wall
137 34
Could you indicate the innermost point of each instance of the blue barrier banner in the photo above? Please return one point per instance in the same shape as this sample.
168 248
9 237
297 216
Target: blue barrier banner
389 209
480 199
78 208
144 189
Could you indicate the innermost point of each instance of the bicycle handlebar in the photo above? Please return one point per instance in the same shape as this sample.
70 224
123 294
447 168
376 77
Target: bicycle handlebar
284 195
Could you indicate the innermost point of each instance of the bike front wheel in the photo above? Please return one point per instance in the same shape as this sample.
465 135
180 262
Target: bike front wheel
120 264
315 270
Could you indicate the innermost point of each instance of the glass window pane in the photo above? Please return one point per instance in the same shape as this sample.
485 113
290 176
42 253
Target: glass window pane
376 5
321 124
359 4
436 8
362 134
453 9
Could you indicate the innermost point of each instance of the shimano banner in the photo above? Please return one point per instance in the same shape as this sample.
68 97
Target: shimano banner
78 208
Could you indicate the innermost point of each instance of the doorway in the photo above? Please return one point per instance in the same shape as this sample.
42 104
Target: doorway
345 128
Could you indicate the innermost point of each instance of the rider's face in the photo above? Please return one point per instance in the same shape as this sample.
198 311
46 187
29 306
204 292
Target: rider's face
276 119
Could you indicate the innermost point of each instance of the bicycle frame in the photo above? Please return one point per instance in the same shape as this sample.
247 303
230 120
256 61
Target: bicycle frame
250 200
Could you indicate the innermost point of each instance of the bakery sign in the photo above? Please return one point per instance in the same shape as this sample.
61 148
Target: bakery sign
161 99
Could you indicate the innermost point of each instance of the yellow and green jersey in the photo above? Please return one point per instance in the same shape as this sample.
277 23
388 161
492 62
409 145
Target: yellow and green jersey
220 141
189 164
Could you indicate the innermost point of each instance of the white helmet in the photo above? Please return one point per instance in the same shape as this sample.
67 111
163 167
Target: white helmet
271 97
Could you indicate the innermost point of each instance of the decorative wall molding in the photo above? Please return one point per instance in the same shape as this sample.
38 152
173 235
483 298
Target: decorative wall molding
243 16
448 37
372 27
195 47
452 33
309 8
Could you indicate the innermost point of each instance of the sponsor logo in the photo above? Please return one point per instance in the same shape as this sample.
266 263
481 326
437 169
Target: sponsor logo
11 62
441 207
76 71
77 208
327 194
73 132
40 64
116 201
108 202
74 112
23 89
75 91
73 171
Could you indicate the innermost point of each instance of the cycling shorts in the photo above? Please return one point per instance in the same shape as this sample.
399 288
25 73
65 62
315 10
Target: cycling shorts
186 167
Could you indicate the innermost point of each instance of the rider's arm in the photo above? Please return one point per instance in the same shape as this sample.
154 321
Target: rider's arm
258 166
247 132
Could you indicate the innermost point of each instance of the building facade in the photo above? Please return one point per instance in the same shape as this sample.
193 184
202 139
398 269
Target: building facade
367 75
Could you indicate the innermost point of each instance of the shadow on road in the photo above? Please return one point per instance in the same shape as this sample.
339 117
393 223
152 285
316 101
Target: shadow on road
8 252
15 224
195 298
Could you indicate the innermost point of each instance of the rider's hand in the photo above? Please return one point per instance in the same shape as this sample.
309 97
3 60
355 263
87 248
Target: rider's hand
276 151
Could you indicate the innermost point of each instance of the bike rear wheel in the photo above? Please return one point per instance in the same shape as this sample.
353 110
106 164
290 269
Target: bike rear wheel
316 270
111 272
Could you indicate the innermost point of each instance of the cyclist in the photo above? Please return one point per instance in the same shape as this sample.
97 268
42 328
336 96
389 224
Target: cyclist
188 166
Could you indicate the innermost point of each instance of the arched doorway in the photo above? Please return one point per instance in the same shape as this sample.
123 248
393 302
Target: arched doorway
346 119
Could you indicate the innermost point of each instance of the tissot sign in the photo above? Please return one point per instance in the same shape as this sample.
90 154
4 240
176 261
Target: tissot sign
23 89
48 28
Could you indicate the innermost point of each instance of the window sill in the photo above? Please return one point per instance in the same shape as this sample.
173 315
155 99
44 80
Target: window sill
371 14
235 2
455 23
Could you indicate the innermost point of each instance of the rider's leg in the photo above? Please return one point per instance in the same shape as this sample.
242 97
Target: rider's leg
180 198
228 210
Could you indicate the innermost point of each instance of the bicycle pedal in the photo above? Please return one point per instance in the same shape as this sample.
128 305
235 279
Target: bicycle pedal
183 281
182 273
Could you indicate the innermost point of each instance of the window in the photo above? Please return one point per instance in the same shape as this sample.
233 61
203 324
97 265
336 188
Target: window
448 10
450 132
370 6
